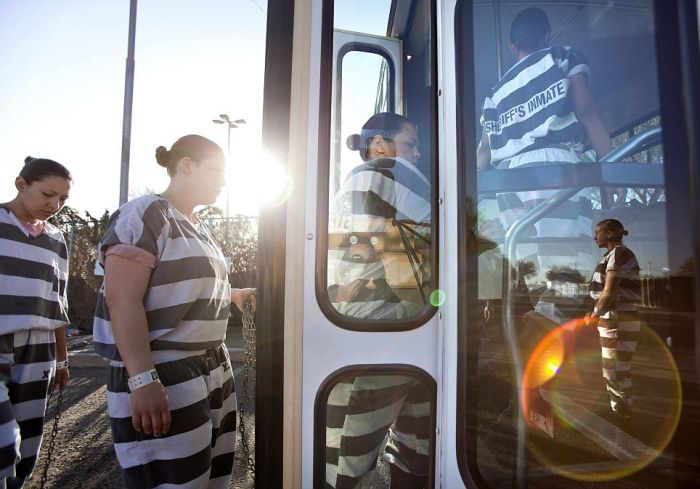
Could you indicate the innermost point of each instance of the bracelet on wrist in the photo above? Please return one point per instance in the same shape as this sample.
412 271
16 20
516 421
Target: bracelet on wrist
62 364
143 379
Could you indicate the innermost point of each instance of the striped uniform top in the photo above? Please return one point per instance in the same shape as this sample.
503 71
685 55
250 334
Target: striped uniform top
622 261
530 106
188 297
33 277
382 189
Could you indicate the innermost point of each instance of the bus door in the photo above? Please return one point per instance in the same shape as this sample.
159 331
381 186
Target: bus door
547 397
370 332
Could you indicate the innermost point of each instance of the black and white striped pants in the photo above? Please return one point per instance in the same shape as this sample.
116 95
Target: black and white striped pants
198 450
619 332
360 412
27 363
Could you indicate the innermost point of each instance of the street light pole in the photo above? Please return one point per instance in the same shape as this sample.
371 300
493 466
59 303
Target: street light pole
128 102
224 119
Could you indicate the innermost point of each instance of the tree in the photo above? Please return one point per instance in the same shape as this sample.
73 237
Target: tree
565 274
82 236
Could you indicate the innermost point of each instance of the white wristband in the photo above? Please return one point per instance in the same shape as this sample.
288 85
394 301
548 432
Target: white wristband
142 379
62 364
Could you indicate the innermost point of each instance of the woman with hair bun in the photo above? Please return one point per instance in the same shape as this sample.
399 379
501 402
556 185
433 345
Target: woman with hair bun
161 321
33 312
615 287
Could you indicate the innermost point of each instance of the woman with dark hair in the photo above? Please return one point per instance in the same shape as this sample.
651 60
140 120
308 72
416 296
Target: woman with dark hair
33 312
615 287
161 321
541 111
387 188
389 184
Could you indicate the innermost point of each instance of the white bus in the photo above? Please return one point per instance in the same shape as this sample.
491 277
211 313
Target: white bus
459 381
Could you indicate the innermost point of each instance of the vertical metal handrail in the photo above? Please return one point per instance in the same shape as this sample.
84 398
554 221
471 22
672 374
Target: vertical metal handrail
511 274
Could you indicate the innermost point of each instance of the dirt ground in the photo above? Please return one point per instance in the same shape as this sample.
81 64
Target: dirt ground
83 456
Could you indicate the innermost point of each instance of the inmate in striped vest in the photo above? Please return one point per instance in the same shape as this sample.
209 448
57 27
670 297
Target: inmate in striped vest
188 297
619 326
33 277
530 107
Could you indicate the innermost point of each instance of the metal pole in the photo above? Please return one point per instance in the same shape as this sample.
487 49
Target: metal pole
228 188
228 156
497 20
128 102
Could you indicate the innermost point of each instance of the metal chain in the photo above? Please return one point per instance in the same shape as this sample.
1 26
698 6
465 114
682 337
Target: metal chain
248 394
54 432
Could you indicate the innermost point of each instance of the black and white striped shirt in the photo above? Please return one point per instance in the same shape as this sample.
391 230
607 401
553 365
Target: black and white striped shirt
530 106
33 277
622 261
386 188
188 297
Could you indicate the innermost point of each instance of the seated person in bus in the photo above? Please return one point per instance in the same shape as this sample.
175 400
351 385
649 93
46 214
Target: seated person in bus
378 197
385 199
362 290
542 111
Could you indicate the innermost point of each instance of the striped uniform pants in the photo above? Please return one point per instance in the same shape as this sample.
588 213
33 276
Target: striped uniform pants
618 340
26 366
360 412
571 219
197 452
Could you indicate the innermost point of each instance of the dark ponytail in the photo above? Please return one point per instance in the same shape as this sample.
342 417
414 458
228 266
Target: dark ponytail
36 169
384 124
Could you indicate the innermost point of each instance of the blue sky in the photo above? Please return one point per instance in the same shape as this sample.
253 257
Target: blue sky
62 88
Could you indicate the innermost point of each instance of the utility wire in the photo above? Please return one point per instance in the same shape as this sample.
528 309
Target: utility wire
259 7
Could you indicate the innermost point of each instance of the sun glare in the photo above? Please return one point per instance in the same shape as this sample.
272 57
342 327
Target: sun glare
255 180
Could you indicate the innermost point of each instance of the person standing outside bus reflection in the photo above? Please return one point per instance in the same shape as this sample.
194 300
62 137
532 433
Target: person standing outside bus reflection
542 111
616 288
161 320
33 312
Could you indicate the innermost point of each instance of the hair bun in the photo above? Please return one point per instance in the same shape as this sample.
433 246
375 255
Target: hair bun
625 232
28 159
353 142
162 156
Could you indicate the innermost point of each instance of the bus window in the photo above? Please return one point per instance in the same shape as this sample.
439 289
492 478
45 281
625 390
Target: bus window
580 319
355 98
376 253
375 426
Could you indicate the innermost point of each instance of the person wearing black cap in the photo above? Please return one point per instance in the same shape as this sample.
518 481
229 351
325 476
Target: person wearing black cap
542 111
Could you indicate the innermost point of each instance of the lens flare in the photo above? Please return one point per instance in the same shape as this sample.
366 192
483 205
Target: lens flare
437 297
564 395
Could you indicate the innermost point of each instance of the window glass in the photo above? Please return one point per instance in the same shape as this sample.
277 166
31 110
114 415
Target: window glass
378 262
365 88
584 312
378 431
